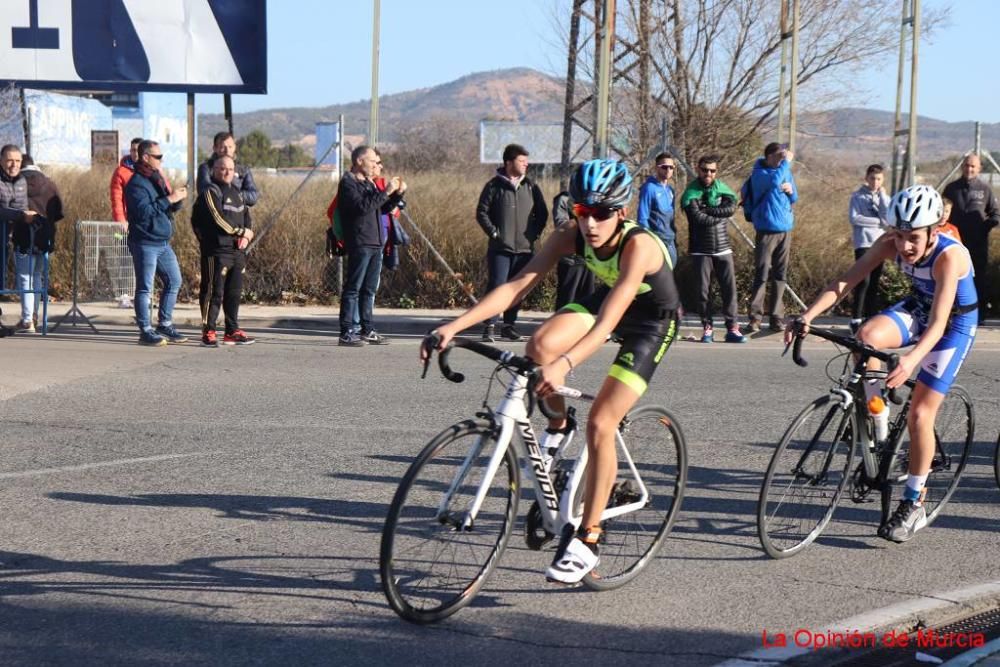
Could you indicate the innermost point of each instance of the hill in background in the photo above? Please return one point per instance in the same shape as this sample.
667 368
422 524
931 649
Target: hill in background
846 135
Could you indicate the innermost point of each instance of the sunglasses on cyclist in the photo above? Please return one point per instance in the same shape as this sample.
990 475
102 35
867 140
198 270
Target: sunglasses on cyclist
595 212
665 166
155 157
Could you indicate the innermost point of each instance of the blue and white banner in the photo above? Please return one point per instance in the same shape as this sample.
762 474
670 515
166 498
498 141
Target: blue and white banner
205 46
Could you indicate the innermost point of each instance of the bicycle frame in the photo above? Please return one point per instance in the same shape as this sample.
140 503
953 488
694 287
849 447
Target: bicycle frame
510 419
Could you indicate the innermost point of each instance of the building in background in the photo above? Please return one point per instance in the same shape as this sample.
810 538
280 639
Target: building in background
60 125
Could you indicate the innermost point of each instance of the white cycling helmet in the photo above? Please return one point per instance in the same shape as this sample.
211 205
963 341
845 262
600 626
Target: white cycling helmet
915 207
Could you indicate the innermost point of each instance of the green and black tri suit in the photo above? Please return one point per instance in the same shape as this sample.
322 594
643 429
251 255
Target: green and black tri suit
649 325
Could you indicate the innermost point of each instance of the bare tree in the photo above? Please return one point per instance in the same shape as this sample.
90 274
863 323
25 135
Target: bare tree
713 66
11 128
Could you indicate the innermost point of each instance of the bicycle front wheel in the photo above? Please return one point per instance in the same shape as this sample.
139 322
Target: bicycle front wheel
630 541
806 477
954 429
434 557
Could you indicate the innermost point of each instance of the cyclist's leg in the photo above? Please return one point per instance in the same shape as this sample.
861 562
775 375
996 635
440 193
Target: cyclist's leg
938 370
558 334
632 369
613 402
627 380
892 328
924 406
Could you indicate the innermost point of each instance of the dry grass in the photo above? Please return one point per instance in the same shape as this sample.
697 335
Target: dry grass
289 264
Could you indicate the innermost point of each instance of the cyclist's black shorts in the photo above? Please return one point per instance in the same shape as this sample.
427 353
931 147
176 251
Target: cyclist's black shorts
646 333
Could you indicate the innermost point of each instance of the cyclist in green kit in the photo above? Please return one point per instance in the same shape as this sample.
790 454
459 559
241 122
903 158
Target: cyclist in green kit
637 300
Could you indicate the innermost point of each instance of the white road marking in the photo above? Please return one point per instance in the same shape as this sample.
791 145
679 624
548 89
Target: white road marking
103 464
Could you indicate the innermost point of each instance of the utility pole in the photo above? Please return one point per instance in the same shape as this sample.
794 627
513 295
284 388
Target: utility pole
614 59
607 36
373 114
227 106
789 71
191 147
567 139
793 109
905 174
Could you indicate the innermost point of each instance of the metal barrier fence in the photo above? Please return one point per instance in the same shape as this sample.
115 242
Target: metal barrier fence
106 262
102 267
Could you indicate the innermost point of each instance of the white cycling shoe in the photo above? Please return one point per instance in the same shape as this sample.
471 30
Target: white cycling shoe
573 563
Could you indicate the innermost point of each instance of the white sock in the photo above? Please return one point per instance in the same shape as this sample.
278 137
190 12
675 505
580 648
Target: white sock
914 485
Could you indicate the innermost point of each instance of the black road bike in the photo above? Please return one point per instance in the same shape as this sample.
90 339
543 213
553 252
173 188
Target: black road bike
815 461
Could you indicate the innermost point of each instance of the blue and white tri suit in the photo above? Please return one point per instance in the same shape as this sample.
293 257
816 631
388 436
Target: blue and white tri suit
939 368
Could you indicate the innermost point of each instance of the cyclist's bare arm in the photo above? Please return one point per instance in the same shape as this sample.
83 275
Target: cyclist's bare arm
883 249
640 257
561 243
947 269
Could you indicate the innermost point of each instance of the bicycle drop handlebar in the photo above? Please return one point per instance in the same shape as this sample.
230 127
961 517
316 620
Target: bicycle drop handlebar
891 359
522 365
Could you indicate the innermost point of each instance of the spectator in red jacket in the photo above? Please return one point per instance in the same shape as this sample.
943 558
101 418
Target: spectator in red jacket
119 179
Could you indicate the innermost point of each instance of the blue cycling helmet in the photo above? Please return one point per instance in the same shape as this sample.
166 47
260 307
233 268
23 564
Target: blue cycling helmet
601 183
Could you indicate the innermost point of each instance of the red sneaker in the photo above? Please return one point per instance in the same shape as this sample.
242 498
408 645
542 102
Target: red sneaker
238 337
209 339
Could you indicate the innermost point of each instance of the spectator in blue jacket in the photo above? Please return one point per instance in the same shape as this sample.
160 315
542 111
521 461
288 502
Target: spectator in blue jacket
150 205
656 204
768 196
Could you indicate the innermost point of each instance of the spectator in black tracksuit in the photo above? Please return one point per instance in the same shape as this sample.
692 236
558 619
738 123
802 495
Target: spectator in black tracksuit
221 221
709 204
574 281
975 213
360 206
512 212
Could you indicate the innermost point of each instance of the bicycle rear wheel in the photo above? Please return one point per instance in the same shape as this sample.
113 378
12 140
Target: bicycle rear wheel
432 563
631 541
954 430
806 477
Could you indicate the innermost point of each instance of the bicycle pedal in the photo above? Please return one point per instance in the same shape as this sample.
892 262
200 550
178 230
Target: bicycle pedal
562 584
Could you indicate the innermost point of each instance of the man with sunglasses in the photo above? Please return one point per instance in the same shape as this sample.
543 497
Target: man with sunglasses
149 206
656 204
709 204
637 300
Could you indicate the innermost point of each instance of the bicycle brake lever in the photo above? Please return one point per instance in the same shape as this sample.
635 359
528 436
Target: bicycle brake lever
429 343
894 396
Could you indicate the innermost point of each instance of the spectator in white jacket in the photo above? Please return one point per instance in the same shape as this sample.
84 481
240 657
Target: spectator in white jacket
867 215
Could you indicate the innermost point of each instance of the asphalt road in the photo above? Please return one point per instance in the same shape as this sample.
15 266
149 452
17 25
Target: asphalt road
195 506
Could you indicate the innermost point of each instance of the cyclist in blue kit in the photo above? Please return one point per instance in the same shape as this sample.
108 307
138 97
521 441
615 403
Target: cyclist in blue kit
637 300
939 319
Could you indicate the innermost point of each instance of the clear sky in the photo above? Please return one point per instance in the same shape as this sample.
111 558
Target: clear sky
319 53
